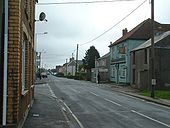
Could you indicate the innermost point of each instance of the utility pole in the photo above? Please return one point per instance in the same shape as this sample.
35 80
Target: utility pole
153 78
77 58
72 55
40 61
66 67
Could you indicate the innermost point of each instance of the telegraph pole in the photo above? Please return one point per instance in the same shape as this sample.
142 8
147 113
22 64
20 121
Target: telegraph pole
77 58
66 67
153 78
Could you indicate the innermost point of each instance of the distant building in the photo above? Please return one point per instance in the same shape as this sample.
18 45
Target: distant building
71 66
20 61
120 69
102 66
58 69
141 66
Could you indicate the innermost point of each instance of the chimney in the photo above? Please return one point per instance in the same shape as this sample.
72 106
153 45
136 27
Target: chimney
71 59
124 31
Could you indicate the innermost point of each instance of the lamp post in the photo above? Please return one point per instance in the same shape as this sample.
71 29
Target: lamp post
41 57
36 38
38 54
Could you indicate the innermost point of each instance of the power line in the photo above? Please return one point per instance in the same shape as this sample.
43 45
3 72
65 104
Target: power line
115 24
83 2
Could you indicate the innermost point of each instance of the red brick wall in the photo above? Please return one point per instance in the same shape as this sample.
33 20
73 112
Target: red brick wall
19 24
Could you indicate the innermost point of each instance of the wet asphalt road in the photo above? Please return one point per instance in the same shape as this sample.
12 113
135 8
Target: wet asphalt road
93 106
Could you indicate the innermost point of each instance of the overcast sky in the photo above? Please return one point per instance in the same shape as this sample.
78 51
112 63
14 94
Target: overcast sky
72 24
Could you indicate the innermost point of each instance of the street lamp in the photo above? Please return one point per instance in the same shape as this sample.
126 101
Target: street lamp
42 17
36 38
38 54
43 51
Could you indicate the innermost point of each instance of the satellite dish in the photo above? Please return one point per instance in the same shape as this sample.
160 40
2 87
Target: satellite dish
42 16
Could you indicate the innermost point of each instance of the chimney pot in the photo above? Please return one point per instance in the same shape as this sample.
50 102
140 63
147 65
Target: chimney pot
124 31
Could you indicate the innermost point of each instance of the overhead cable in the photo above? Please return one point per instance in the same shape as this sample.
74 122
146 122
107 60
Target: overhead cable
115 24
83 2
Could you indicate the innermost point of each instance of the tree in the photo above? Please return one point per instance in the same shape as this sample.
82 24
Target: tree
90 56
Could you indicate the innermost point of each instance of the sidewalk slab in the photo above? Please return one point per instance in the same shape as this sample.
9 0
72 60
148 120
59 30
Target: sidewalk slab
45 112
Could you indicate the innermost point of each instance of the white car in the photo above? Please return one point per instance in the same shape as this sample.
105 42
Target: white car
44 75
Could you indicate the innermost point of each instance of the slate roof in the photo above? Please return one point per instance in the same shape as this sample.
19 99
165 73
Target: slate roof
156 40
73 62
142 31
104 56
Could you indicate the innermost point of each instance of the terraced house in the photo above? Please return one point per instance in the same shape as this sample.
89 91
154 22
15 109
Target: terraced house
16 60
120 69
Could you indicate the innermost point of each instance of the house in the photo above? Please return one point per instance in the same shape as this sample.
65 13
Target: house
17 82
71 66
120 69
141 66
102 65
65 69
58 68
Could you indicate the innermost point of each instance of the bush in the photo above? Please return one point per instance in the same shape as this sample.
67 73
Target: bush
71 77
81 76
60 74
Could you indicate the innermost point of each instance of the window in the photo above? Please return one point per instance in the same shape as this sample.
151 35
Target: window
145 56
134 76
122 50
113 72
23 65
134 57
123 72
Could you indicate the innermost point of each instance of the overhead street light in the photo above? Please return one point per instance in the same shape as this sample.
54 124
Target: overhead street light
36 38
38 54
42 17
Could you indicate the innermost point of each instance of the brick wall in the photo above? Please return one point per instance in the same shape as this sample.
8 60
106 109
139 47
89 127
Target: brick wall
14 58
21 23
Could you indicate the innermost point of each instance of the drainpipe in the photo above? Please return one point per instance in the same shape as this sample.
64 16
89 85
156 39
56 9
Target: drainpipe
5 64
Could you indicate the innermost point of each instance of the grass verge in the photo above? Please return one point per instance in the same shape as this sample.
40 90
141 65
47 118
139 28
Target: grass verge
158 94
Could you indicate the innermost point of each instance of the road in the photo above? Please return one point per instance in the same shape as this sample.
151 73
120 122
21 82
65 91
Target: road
93 106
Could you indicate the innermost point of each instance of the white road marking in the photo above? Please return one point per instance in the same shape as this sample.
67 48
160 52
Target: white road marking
51 91
53 95
94 93
150 118
106 99
113 102
74 90
79 123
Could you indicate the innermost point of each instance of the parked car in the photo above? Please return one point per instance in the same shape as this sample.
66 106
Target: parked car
44 75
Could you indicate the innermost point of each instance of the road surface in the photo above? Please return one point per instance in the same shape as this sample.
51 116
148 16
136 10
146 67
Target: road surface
93 106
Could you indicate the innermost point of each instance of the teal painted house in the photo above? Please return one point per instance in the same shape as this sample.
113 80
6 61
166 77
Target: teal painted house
120 69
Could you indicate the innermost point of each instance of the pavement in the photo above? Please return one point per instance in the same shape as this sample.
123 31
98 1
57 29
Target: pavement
45 112
42 113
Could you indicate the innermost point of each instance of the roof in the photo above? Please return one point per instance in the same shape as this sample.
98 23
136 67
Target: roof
156 40
104 56
142 31
80 62
73 62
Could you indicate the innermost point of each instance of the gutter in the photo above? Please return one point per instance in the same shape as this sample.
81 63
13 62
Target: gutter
5 80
